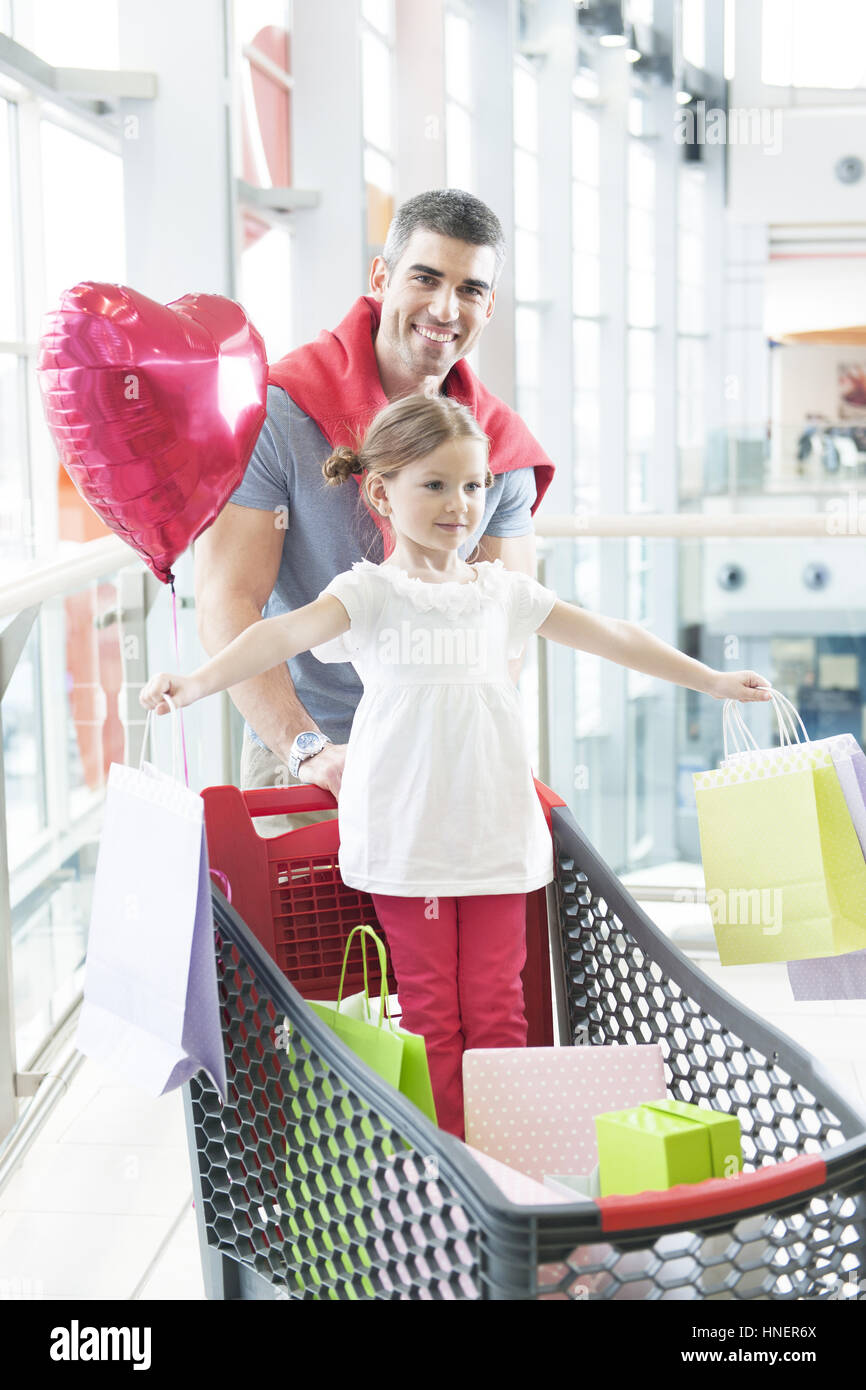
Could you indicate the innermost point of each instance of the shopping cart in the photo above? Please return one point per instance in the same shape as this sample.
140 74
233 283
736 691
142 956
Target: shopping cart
317 1180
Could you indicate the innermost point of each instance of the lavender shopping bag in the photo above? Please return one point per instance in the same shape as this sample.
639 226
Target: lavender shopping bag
839 977
829 977
151 1009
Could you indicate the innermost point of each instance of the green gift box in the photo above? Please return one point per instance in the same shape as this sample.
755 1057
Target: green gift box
664 1143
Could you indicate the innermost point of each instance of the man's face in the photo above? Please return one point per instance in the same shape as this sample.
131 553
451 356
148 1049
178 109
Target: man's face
435 305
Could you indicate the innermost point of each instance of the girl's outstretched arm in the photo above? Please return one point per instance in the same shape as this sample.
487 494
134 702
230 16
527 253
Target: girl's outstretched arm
258 648
631 645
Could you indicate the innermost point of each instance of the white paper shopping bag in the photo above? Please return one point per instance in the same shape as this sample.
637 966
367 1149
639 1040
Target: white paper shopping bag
151 1009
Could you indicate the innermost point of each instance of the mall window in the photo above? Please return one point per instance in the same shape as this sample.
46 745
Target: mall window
61 222
586 281
83 238
262 45
54 30
691 326
527 324
693 32
16 531
61 178
586 304
641 312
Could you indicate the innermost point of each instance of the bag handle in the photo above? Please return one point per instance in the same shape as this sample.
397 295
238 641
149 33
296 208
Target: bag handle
223 881
788 731
385 1007
783 707
734 724
175 738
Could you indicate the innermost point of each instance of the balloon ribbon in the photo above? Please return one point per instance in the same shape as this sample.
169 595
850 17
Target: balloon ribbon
177 655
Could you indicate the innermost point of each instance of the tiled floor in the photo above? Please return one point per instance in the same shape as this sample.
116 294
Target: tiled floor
834 1033
101 1204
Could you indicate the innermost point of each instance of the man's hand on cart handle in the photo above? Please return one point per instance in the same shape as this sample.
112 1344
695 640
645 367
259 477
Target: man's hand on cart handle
324 769
183 690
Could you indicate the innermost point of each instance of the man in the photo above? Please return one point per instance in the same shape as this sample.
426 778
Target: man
284 535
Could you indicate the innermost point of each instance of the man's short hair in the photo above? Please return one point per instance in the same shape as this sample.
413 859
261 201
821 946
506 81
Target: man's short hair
452 213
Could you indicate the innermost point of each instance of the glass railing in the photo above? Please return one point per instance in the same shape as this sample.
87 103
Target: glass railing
79 639
786 459
621 748
61 729
728 462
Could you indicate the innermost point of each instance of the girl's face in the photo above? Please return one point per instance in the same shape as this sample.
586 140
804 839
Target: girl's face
437 502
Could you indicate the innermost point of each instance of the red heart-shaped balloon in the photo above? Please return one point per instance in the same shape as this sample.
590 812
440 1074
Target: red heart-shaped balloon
154 408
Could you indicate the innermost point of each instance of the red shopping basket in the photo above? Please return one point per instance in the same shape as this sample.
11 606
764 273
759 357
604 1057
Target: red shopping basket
288 890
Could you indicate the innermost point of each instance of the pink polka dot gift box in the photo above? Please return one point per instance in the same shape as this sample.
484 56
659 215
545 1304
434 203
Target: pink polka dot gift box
534 1107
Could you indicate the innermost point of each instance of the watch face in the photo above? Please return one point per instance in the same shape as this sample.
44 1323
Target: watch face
307 742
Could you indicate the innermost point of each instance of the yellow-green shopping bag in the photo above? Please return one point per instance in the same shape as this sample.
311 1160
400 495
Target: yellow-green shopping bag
785 875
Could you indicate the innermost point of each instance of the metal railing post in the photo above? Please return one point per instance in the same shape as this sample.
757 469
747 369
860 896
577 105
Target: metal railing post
12 640
137 591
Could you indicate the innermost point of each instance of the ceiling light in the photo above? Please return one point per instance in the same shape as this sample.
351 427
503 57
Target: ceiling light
683 98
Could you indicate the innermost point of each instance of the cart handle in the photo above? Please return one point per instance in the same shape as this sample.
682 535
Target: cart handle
286 801
678 1206
282 801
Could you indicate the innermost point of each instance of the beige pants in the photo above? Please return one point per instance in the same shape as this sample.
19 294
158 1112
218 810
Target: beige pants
262 768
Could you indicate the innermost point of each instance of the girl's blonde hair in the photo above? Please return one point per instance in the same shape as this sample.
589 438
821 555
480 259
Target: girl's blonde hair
405 431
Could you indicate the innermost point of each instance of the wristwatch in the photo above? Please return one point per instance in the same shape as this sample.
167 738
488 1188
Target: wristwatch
306 745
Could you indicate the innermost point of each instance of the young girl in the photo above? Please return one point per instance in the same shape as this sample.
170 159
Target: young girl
439 818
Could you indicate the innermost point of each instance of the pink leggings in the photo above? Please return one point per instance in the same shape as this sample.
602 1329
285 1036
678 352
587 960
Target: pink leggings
458 963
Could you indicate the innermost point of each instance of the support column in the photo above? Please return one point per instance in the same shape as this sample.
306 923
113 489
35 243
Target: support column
330 268
745 348
420 91
176 161
716 386
610 750
493 41
663 576
555 35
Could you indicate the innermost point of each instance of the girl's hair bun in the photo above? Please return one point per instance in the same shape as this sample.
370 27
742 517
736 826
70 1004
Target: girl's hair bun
342 464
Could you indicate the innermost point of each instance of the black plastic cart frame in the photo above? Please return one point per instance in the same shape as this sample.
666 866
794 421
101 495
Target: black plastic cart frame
317 1180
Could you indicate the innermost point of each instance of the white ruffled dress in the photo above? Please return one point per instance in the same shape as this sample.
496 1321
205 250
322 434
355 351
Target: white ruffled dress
437 795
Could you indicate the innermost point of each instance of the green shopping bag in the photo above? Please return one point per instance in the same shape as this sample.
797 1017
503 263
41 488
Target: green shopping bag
785 875
400 1058
395 1054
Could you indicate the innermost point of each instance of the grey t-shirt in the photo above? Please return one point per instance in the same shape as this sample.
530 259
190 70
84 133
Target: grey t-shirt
327 529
